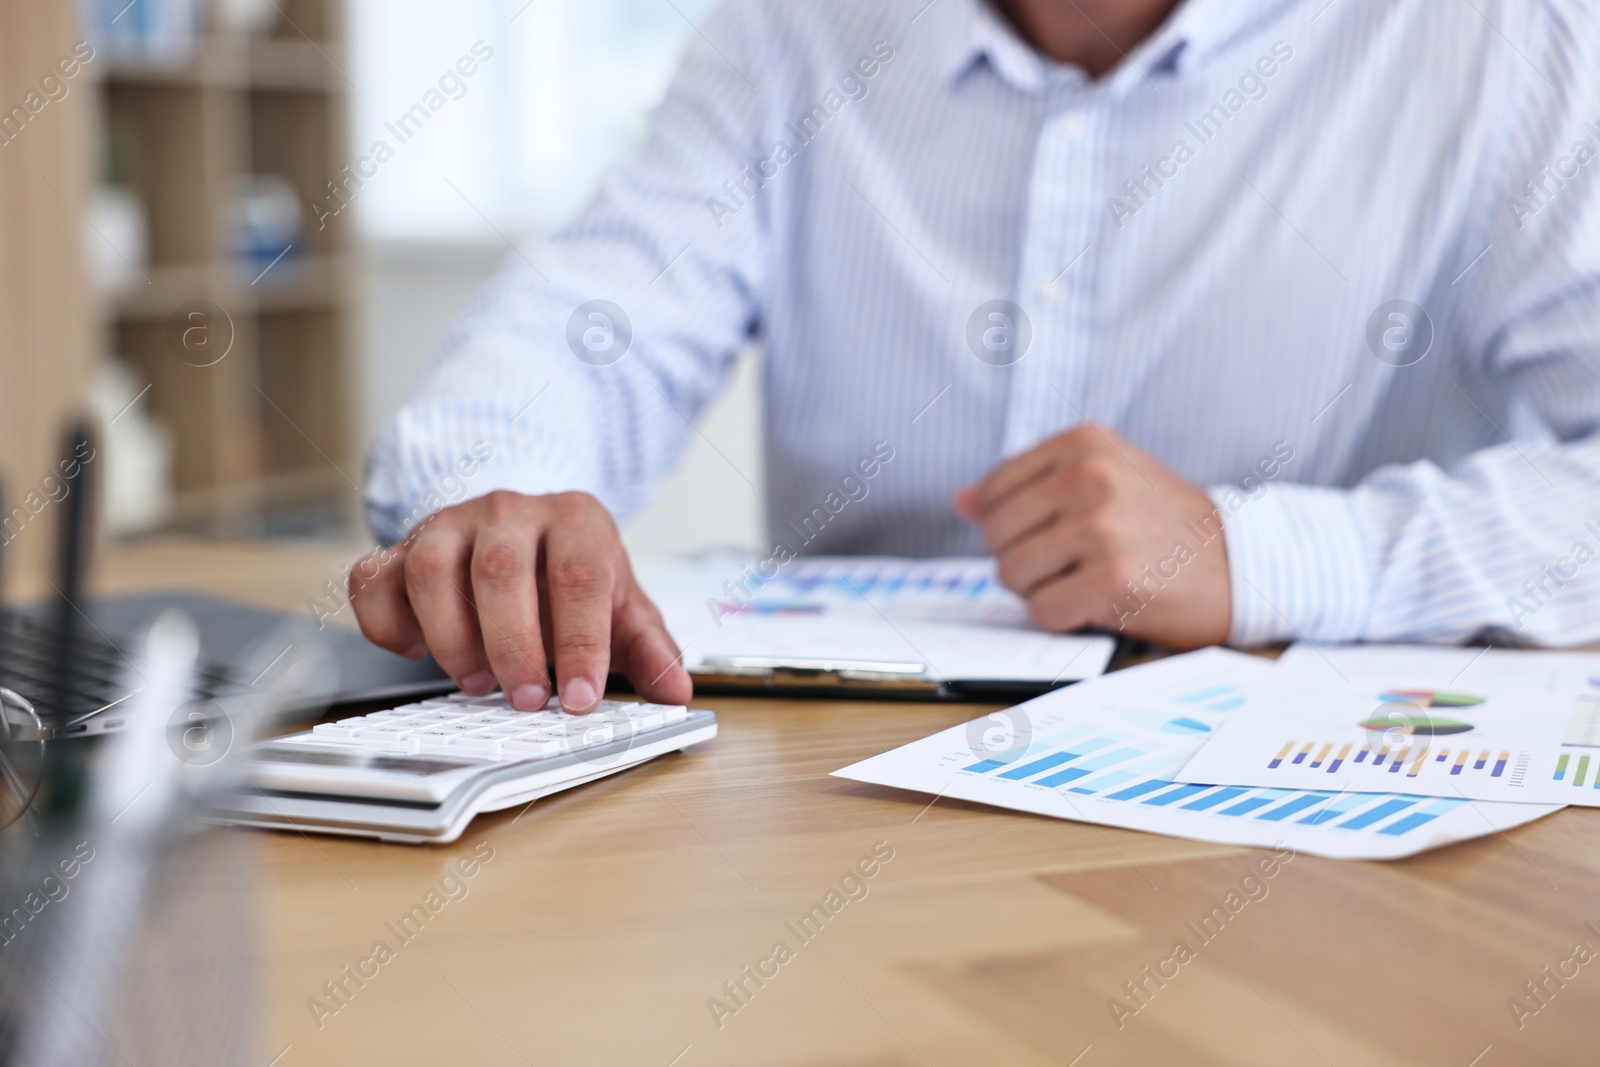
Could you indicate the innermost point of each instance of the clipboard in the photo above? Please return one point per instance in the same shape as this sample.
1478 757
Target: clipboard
870 680
874 628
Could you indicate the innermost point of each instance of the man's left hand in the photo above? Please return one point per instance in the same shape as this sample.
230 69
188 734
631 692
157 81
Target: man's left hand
1091 531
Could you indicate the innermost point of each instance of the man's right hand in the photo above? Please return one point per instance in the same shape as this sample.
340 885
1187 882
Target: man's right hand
498 587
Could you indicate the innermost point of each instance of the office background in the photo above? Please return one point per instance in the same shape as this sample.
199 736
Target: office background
201 153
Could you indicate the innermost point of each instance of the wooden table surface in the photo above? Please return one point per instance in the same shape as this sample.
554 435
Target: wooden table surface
602 924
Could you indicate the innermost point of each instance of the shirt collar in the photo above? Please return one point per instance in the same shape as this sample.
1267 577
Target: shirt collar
970 31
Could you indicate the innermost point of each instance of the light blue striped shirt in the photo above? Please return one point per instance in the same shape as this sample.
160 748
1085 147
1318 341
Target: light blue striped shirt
1323 251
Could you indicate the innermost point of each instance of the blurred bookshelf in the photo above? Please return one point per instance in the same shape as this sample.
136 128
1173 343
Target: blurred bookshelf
47 342
236 307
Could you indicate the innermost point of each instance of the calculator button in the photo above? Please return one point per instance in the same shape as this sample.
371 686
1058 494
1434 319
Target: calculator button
648 718
487 747
486 720
456 727
624 725
671 713
591 733
530 747
384 729
390 743
554 733
510 729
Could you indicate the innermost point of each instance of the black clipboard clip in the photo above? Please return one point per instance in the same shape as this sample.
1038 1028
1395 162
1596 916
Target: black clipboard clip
768 672
850 680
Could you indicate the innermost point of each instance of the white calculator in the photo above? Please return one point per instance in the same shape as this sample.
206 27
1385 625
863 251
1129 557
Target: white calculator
420 772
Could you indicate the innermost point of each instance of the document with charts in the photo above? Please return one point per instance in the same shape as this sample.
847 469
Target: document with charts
1110 751
1445 722
951 616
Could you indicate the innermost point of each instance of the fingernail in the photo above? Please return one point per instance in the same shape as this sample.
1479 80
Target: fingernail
416 651
529 697
578 695
478 684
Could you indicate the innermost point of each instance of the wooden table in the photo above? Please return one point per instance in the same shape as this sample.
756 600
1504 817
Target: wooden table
608 919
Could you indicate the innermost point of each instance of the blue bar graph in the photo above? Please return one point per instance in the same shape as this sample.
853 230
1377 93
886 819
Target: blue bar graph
1418 818
1347 803
1104 782
1079 749
1071 774
1177 794
985 766
1141 789
1158 764
1409 823
1376 814
1260 800
1283 811
1028 770
1219 797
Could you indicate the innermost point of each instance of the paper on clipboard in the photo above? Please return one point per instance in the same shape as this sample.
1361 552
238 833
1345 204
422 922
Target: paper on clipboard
950 617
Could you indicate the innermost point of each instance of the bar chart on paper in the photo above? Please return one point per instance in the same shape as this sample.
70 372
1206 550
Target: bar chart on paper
1405 761
1110 752
1517 745
1117 769
1578 765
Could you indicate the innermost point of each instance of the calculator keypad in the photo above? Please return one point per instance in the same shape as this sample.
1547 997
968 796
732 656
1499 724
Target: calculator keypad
488 727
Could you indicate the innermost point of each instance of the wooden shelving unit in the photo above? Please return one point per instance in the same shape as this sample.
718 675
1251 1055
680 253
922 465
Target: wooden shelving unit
264 431
47 341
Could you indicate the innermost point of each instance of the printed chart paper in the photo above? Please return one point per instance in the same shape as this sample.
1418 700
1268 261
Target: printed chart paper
952 616
1110 751
1495 725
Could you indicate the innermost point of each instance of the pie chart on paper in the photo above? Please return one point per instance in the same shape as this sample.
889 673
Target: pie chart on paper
1408 710
1429 698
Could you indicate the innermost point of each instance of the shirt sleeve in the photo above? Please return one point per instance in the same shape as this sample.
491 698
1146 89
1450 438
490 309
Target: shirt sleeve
582 365
1508 539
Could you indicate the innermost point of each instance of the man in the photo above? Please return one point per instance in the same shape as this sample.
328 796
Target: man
1212 321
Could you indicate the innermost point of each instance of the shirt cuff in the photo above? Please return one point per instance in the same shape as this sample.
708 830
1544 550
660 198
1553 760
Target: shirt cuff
1297 562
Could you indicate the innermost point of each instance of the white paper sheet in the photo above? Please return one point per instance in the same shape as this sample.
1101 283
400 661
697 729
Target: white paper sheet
950 615
1109 750
1447 722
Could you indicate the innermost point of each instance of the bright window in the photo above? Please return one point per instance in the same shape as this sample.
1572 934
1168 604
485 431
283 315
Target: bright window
524 137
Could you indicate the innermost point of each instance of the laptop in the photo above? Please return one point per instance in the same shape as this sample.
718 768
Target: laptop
235 640
73 658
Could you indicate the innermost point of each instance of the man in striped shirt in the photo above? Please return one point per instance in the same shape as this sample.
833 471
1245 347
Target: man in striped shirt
1211 321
